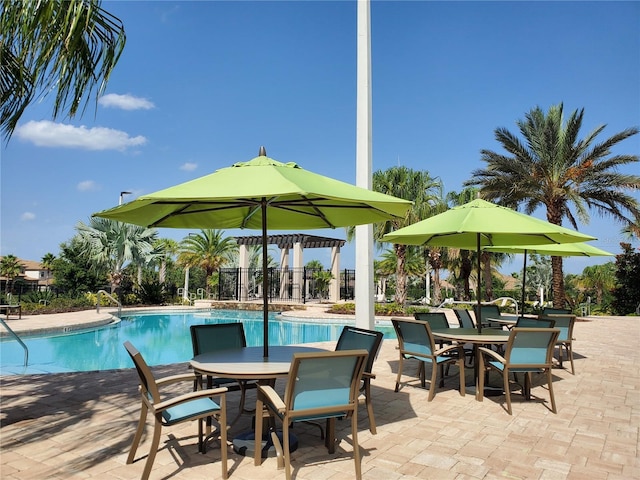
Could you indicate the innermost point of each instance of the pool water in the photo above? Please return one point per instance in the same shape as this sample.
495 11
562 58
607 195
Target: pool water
162 338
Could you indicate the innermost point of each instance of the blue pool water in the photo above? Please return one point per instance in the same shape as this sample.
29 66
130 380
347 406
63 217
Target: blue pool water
162 338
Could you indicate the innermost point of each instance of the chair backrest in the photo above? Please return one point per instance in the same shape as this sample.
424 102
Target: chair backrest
149 388
551 311
486 311
564 323
322 383
436 320
535 322
216 337
531 347
414 337
464 318
353 338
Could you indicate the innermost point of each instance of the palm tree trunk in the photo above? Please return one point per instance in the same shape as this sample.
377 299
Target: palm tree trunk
557 282
465 271
401 275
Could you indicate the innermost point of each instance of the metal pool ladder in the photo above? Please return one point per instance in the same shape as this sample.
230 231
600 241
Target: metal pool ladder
19 340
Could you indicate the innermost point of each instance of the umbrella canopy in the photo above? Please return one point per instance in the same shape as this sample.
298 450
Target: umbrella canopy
580 249
260 194
479 224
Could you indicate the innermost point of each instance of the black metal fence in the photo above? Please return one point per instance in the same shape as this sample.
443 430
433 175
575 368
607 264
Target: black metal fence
285 285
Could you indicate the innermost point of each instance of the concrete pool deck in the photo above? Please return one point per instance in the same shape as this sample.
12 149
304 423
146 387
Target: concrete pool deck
80 425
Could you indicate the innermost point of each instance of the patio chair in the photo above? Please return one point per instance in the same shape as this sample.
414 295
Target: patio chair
222 336
535 322
529 350
171 411
416 341
486 312
353 338
436 320
555 311
320 386
565 324
464 318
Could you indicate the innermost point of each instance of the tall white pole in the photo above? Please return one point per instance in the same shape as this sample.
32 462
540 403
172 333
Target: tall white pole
364 233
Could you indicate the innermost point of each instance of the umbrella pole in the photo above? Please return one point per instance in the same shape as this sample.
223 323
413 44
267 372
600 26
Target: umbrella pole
265 283
524 279
479 317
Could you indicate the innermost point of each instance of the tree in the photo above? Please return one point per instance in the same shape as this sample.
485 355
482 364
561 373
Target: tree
74 273
626 295
426 194
600 278
207 250
554 169
10 267
166 248
113 244
69 47
48 261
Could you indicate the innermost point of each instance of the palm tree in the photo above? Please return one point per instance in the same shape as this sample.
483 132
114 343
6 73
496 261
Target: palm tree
208 250
112 244
600 278
67 46
165 248
554 169
426 194
48 261
10 267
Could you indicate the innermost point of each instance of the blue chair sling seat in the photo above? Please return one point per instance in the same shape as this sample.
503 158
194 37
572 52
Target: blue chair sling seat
464 318
417 342
221 336
529 350
353 338
320 386
565 323
192 405
535 322
486 312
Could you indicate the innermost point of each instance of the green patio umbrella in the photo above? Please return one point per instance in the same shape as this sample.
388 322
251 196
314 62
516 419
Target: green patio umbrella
580 249
260 194
479 224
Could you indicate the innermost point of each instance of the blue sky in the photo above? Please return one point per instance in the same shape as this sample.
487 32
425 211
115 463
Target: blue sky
202 85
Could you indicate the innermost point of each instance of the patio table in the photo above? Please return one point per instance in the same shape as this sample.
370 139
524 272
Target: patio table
489 336
249 363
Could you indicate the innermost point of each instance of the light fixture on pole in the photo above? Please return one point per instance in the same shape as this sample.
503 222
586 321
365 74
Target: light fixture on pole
122 194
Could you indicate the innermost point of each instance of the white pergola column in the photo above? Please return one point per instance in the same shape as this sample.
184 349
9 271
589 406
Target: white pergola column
364 292
298 265
243 264
334 285
284 273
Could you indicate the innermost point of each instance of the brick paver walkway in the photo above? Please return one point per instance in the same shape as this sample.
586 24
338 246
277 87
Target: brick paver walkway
80 425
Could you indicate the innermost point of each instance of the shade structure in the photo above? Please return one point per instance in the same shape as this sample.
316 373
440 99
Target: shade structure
479 224
579 249
261 193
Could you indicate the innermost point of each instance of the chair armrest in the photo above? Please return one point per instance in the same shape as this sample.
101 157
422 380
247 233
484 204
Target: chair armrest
493 354
447 349
272 397
211 392
183 377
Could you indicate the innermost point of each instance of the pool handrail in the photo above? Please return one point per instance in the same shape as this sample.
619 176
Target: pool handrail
19 340
98 301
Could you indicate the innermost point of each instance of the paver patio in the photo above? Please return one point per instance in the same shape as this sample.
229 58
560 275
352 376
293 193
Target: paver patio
80 425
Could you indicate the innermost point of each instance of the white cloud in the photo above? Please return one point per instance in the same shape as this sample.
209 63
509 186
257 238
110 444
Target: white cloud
50 134
125 102
27 216
189 166
87 186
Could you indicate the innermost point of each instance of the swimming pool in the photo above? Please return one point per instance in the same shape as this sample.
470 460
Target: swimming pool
162 338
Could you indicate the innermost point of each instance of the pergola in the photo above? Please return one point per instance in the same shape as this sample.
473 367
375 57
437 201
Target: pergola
298 242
